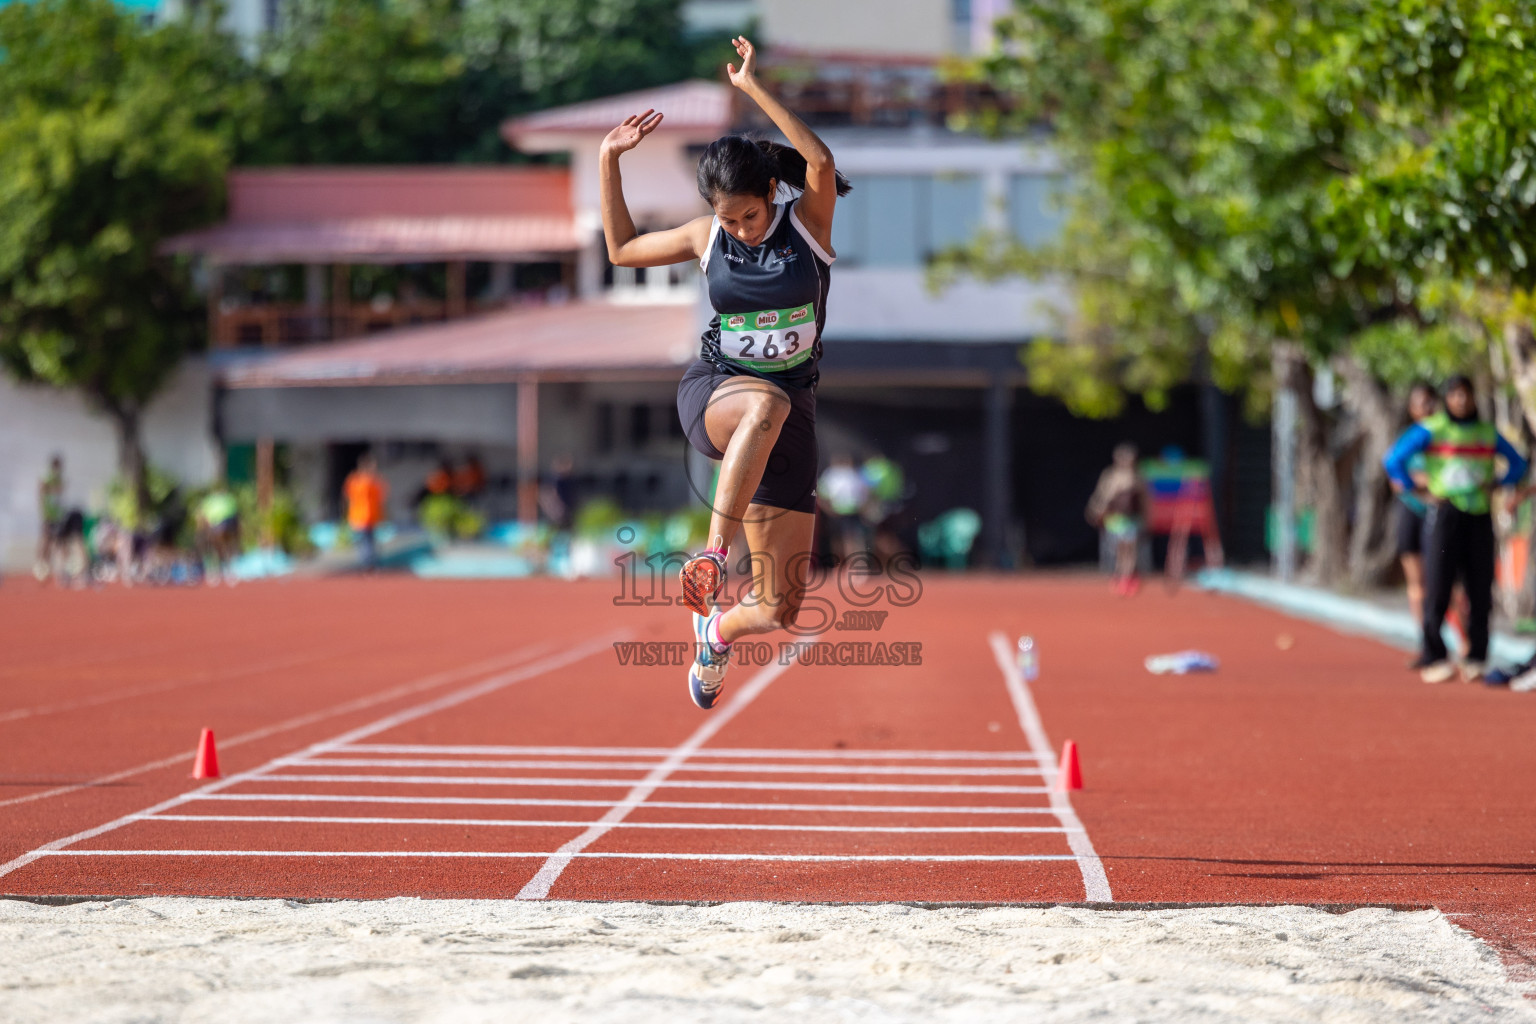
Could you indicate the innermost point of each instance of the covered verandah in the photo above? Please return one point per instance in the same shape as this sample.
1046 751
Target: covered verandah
536 379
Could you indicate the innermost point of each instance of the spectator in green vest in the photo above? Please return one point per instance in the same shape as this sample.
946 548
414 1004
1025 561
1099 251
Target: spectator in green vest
1458 480
218 532
1408 527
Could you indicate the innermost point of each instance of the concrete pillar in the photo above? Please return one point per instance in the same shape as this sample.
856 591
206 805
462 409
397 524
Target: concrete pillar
589 268
341 300
997 471
528 451
266 482
458 300
994 211
314 300
500 287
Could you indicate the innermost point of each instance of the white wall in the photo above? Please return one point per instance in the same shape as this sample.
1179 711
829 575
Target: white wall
894 304
37 422
911 27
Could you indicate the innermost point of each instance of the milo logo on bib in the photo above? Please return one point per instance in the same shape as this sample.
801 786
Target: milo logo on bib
757 340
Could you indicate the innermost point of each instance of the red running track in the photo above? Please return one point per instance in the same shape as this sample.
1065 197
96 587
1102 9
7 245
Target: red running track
386 737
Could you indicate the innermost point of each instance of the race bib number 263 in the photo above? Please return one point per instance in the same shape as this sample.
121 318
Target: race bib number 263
772 339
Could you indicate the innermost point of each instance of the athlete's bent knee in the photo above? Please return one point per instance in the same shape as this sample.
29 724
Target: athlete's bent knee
766 410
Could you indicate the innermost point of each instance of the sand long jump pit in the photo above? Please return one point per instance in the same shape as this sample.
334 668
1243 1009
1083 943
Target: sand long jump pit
411 960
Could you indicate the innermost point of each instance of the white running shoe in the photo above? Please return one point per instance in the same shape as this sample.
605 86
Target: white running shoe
706 676
1442 671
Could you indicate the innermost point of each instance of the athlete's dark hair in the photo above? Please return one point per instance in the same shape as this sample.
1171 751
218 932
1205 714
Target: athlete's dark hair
1423 387
738 166
1459 382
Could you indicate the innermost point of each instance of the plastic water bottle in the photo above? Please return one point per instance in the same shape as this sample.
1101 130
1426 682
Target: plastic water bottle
1029 659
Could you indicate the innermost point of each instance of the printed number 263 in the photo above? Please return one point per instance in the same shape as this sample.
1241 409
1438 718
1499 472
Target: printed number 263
770 349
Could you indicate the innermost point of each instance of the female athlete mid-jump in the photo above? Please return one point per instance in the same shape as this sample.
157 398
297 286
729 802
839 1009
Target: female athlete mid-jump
750 400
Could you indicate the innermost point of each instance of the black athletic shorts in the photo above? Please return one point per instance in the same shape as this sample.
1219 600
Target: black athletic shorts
789 481
1410 531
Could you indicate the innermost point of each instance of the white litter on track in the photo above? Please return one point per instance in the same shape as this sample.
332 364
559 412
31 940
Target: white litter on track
463 961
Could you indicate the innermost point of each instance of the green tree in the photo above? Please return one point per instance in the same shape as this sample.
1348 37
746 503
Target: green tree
1226 218
428 81
113 136
360 81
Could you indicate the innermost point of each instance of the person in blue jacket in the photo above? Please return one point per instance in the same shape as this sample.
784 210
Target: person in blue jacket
1457 481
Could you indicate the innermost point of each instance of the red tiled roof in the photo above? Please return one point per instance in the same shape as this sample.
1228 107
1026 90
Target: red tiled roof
698 105
577 340
383 239
281 195
390 214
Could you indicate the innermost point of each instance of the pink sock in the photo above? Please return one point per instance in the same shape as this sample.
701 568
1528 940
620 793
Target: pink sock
712 634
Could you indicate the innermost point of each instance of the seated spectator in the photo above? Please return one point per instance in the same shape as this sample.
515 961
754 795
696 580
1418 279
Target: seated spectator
469 479
439 481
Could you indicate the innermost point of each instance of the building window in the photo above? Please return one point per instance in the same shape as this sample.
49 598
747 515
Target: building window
848 227
897 213
1034 207
955 207
901 220
605 428
639 426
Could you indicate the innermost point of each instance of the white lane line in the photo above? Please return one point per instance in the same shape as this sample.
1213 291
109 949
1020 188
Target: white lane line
545 823
470 692
1095 882
641 766
346 707
662 781
944 858
740 752
682 805
539 885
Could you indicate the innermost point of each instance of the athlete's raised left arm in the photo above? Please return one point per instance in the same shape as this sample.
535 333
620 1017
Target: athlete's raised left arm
815 206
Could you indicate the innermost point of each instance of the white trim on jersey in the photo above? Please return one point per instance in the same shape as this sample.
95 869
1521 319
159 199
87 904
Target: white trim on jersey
714 230
794 220
778 215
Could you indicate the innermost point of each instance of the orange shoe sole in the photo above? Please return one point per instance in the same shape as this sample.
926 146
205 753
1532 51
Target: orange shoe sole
701 577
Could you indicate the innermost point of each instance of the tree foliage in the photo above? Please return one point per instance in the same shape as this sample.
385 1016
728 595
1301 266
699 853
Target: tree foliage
112 137
429 81
115 135
1268 191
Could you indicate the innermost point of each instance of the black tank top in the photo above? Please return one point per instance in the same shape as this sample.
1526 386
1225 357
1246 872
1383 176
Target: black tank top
770 301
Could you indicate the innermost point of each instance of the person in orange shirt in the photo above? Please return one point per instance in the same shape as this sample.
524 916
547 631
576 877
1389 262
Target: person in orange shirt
365 491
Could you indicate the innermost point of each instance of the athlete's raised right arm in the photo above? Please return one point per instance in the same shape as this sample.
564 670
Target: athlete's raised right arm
626 246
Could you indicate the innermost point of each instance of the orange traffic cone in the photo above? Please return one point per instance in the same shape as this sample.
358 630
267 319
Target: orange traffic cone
1070 775
207 764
